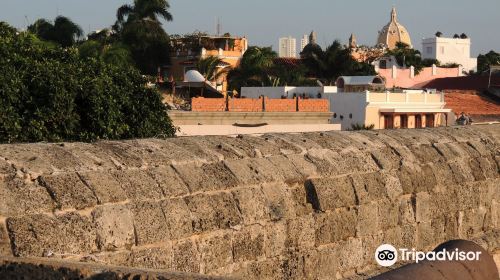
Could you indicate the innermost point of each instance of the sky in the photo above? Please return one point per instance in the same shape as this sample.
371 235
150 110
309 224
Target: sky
264 21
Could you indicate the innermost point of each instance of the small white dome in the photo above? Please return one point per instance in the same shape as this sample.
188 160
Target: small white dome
193 76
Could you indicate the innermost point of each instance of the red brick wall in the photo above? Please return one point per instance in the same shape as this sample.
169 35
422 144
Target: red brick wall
281 105
201 104
245 105
314 105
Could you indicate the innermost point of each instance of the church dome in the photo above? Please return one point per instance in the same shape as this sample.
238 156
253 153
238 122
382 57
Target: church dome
312 47
393 32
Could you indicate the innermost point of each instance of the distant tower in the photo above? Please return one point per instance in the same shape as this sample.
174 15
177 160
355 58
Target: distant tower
287 47
303 42
393 32
352 41
313 38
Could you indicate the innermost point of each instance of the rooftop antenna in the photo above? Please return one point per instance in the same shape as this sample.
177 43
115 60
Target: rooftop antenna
218 26
27 21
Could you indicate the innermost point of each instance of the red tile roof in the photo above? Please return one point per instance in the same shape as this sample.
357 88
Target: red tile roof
479 83
473 104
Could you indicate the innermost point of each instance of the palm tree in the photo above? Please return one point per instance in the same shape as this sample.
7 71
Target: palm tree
63 31
210 67
140 29
143 10
254 68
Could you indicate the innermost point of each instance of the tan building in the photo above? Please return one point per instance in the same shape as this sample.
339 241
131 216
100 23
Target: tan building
188 50
386 110
393 32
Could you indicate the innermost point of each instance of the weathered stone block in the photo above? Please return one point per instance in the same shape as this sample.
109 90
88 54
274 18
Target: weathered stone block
426 153
470 222
114 227
5 249
275 239
213 176
248 171
69 191
350 254
149 221
322 264
169 182
368 219
138 184
104 185
386 158
215 251
154 258
40 235
185 256
248 244
461 171
216 211
252 204
286 169
425 236
450 151
417 179
19 198
370 245
301 232
303 165
369 187
279 201
329 194
177 218
388 214
406 210
334 226
423 207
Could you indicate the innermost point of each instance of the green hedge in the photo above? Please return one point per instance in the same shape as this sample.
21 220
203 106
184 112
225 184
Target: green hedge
48 93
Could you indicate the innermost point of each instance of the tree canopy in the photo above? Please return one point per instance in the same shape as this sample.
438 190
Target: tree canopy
63 31
48 93
407 56
139 28
484 61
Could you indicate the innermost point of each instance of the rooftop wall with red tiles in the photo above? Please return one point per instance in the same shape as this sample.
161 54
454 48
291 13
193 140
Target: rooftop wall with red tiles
471 103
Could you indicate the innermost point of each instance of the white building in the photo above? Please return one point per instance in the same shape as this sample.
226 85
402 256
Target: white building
304 41
287 47
449 50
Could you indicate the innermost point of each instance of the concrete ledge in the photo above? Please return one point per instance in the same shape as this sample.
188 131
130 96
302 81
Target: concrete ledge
205 130
229 118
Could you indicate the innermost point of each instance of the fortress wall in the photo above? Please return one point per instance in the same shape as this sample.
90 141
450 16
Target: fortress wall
281 206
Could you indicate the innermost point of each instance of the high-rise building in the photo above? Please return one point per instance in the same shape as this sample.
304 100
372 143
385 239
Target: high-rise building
304 41
287 47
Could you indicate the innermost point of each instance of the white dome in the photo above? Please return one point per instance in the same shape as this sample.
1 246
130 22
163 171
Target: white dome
193 76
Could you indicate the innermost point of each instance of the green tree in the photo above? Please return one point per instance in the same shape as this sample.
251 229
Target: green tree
53 94
407 56
254 68
484 61
64 31
209 67
139 27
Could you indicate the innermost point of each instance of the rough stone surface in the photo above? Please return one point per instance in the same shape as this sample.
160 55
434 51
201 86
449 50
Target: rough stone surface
287 206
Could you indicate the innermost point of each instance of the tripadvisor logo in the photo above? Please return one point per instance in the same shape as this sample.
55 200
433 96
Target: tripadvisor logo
386 255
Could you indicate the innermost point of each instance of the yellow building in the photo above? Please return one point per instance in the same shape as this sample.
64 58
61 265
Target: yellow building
188 50
393 32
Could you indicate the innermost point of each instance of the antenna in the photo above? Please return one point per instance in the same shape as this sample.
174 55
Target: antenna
218 26
27 21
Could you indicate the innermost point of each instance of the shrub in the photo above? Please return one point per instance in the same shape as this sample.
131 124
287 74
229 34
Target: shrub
48 93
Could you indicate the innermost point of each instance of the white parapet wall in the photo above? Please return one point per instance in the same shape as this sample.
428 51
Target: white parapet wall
279 92
204 130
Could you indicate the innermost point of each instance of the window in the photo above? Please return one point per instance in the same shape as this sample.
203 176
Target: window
441 49
350 116
428 50
334 115
404 121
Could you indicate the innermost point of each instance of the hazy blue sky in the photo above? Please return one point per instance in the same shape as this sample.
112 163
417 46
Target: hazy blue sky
264 21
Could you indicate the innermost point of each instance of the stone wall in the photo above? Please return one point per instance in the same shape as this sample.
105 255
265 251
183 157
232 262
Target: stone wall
282 206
